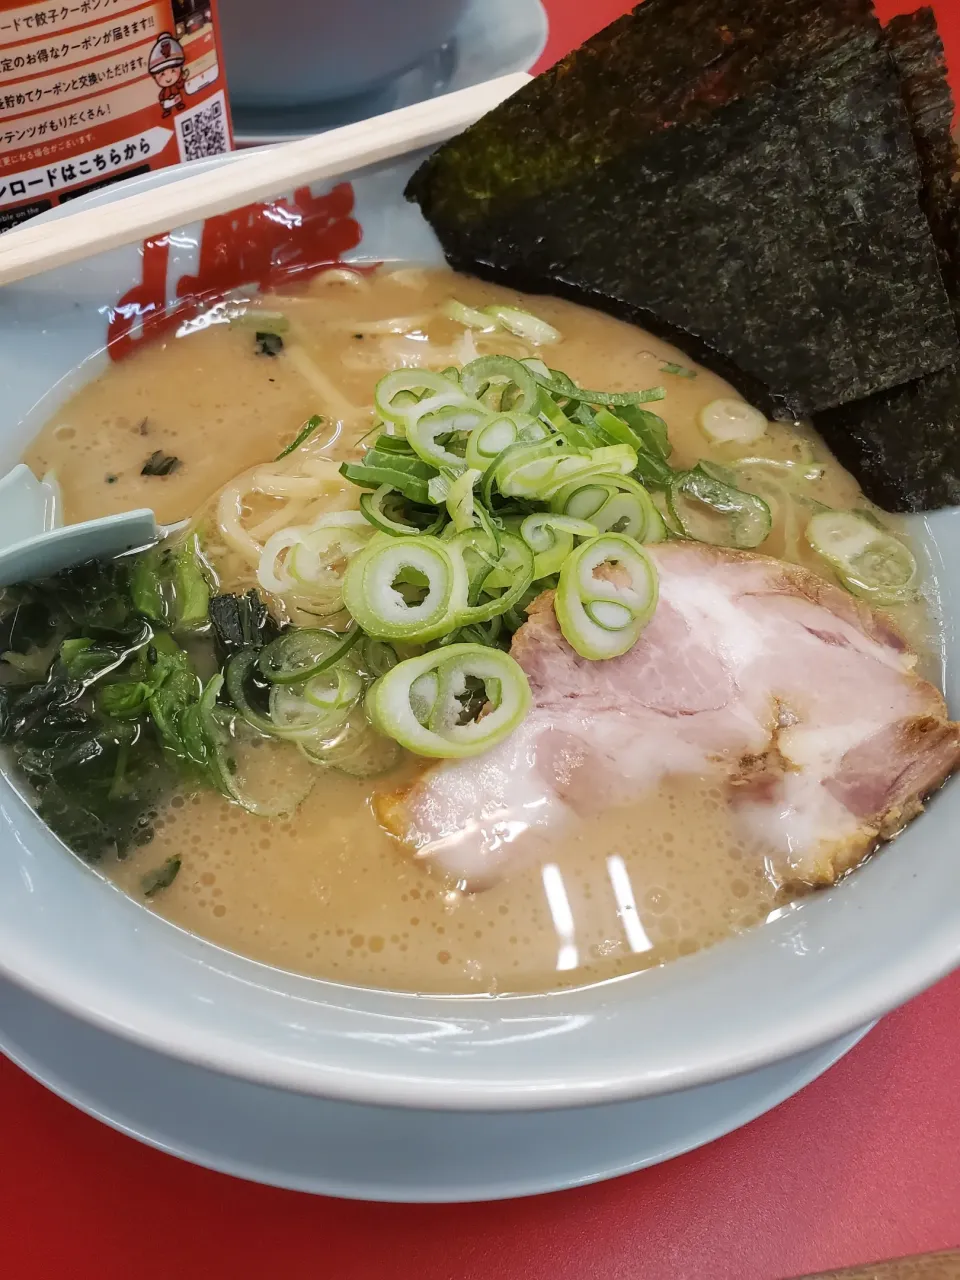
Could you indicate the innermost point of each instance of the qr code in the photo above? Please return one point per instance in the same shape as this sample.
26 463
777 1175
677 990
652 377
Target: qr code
202 131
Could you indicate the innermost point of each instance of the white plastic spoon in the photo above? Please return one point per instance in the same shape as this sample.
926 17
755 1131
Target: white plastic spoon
34 544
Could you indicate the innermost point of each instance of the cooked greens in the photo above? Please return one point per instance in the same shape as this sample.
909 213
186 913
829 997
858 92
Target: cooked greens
160 464
161 877
268 343
76 725
108 705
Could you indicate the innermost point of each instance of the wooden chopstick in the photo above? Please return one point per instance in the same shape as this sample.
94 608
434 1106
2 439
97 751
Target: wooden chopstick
32 249
926 1266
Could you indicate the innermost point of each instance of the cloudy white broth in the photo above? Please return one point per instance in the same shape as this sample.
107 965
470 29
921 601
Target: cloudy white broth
327 890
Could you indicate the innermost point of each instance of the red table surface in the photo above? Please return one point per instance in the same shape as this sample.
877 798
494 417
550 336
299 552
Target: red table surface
864 1164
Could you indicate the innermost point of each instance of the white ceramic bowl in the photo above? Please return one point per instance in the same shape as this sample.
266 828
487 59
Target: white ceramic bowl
839 960
308 51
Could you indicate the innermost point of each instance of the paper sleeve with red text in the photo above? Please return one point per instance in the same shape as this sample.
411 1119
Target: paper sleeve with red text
92 91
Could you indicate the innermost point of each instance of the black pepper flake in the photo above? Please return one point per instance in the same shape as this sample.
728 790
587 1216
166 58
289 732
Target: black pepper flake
111 479
160 464
358 336
144 426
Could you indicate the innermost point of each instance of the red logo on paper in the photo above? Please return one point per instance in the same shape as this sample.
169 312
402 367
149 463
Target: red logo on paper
257 245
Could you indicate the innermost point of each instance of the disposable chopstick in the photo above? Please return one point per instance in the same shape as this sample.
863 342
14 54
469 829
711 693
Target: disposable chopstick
252 176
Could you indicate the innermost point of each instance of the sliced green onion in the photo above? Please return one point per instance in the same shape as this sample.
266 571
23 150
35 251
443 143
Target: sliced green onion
525 325
513 570
303 652
801 470
614 504
709 510
293 714
479 549
479 374
400 469
375 657
564 384
439 487
238 672
478 697
602 617
642 430
622 509
538 530
670 525
649 428
372 506
411 382
559 384
653 472
356 748
581 500
231 743
678 370
460 499
370 588
550 537
423 695
488 485
727 421
488 441
308 559
527 469
333 689
299 718
870 562
262 320
542 469
304 434
423 430
486 633
469 316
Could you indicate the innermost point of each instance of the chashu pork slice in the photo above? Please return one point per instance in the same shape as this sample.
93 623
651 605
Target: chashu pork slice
786 689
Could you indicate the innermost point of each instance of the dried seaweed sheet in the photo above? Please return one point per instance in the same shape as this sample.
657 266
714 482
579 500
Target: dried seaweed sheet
904 445
775 236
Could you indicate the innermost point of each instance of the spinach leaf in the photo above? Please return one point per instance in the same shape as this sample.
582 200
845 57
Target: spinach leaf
240 622
111 721
161 877
268 344
160 464
168 585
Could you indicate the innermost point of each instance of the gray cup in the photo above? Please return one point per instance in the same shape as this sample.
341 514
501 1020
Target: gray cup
296 52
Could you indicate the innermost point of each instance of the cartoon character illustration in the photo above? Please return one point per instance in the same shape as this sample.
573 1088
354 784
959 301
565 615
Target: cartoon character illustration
165 64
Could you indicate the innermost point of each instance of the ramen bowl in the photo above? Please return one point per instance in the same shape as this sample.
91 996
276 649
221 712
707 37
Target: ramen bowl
438 1078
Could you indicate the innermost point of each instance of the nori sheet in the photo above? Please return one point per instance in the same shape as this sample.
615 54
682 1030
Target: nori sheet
904 445
736 175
